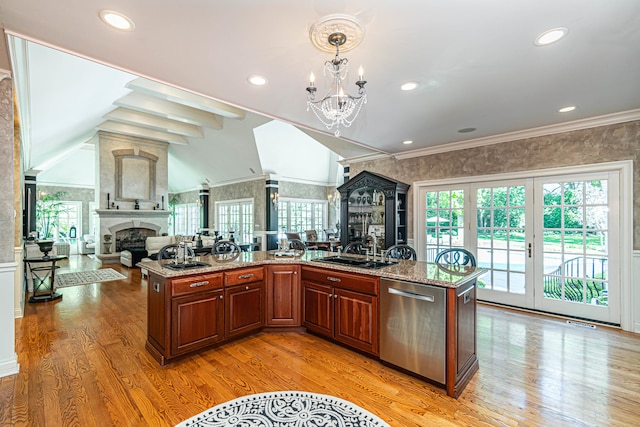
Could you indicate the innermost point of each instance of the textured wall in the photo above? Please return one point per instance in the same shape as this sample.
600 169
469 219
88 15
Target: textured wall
7 221
243 190
588 146
74 194
18 181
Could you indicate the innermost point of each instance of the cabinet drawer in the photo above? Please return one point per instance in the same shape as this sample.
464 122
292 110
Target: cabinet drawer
193 284
245 275
355 282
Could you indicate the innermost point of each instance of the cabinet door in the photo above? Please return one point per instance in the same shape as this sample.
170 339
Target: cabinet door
466 331
245 308
318 308
198 321
283 295
157 313
356 320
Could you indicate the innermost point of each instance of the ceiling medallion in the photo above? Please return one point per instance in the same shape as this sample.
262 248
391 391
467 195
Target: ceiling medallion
338 23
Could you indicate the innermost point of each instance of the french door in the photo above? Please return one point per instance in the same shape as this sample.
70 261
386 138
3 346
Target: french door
549 243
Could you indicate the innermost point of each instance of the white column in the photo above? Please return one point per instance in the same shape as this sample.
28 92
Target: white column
8 357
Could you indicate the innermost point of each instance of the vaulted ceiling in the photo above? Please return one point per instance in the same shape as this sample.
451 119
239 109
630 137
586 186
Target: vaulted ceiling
481 78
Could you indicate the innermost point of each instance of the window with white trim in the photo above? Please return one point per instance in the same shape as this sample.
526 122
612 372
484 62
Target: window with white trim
236 216
298 216
186 219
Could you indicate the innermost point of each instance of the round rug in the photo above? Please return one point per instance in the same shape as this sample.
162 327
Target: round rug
283 409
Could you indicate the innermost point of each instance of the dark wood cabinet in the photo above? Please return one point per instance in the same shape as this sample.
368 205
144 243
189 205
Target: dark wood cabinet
184 314
245 301
462 361
342 306
372 203
244 308
198 321
283 295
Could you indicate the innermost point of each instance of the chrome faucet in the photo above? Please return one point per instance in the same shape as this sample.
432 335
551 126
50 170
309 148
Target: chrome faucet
373 237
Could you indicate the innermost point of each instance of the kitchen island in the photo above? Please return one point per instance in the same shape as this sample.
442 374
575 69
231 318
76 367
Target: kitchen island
224 297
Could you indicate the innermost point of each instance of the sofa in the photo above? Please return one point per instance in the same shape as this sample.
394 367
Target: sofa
87 244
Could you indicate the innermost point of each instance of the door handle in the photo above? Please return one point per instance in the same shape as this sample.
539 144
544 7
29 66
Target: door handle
428 298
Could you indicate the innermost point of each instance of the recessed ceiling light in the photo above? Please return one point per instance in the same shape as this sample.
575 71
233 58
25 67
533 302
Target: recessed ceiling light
257 80
467 130
567 109
117 20
551 36
407 142
409 86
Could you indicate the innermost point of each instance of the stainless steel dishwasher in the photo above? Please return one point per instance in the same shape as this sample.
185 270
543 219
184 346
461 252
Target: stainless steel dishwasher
413 327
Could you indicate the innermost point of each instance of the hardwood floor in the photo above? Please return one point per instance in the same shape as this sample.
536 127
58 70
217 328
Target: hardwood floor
83 363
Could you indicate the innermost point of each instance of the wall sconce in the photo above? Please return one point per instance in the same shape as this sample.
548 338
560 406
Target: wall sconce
334 199
275 198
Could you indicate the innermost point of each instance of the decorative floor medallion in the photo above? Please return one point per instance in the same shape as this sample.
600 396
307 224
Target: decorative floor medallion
285 409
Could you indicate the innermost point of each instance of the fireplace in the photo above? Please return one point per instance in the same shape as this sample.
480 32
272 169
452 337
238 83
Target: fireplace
132 238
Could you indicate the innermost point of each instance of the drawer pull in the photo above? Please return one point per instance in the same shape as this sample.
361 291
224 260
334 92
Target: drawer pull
198 284
245 276
333 279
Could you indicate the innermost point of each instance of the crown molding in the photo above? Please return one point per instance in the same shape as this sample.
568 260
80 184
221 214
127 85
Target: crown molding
605 120
365 158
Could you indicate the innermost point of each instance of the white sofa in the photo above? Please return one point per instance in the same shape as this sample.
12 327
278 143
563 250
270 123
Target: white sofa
87 244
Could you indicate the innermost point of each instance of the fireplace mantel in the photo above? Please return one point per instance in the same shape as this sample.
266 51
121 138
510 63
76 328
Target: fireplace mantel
129 213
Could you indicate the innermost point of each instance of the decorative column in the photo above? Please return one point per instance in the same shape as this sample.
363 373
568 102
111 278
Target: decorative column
204 206
272 214
29 212
8 265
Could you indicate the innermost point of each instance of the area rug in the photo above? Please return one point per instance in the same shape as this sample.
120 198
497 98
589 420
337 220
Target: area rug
63 280
285 409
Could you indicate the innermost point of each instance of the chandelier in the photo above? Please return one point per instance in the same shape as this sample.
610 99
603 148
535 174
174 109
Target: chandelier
337 108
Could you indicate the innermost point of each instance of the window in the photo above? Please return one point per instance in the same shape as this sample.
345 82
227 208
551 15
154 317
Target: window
186 219
236 216
297 216
70 216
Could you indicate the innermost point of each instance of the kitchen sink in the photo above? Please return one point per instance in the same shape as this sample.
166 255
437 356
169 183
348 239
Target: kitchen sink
355 262
185 265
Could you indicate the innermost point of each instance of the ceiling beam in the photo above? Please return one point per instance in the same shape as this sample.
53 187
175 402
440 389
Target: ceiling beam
179 96
171 110
142 132
124 115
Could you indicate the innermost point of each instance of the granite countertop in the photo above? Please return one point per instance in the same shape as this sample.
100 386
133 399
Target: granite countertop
411 271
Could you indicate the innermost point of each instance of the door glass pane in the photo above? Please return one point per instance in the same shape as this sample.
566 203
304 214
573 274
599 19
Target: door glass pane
575 249
444 221
501 244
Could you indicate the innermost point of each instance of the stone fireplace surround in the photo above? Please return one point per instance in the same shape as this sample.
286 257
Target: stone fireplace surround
113 221
131 189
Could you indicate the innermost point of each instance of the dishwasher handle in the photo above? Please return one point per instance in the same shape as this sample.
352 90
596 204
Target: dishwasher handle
428 298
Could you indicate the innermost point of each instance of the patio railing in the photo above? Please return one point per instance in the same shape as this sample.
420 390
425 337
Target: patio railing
575 288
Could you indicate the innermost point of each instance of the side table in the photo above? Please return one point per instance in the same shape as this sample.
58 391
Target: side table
43 274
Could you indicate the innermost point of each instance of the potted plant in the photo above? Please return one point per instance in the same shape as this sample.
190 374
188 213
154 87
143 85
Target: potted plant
48 210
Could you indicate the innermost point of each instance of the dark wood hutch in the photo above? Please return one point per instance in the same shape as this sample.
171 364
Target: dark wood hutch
373 203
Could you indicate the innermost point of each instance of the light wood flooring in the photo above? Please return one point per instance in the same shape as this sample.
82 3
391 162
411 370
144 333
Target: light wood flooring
83 363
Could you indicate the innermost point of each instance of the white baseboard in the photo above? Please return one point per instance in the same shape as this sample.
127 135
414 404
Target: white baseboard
9 367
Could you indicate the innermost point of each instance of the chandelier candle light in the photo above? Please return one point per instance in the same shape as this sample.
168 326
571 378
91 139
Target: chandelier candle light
337 108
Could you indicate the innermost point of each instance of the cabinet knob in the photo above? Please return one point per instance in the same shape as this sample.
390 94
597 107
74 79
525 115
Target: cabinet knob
330 295
335 295
220 296
246 288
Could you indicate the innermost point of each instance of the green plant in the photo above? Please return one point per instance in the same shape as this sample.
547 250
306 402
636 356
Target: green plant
48 210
